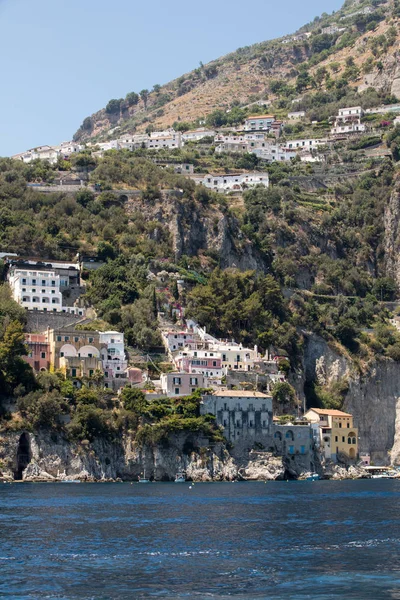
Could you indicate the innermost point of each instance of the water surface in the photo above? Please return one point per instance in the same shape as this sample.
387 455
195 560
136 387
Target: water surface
297 540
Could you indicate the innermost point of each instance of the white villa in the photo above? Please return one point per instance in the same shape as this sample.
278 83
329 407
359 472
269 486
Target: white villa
39 286
349 121
233 181
197 134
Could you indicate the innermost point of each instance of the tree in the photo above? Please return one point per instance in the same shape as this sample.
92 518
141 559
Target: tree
132 98
83 197
284 396
144 94
134 400
157 88
14 371
114 106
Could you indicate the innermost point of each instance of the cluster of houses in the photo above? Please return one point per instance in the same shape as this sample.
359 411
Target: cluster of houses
230 372
83 356
50 153
221 366
259 135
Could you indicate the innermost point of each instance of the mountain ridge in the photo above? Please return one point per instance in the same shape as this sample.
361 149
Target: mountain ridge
247 75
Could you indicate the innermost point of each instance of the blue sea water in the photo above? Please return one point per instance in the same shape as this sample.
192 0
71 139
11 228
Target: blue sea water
278 540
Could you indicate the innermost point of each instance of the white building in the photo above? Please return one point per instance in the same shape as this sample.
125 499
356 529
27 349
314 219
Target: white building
305 144
333 29
273 153
294 116
233 182
177 340
349 121
197 134
39 286
113 355
202 362
164 139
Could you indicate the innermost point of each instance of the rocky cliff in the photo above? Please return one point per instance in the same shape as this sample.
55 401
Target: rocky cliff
373 396
195 228
51 457
392 234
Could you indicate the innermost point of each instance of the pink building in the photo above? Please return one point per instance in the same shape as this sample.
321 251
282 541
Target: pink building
182 384
203 362
38 351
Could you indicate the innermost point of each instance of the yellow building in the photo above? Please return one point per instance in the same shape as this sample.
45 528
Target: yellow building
335 432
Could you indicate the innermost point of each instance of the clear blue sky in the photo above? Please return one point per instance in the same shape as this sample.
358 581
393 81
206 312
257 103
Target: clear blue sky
62 60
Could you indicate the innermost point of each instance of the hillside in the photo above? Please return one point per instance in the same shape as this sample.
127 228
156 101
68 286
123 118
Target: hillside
357 52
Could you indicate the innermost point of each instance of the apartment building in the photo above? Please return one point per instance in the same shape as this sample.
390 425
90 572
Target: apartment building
336 434
246 417
52 286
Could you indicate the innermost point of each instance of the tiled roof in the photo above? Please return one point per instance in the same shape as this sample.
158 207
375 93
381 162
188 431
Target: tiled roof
239 394
332 413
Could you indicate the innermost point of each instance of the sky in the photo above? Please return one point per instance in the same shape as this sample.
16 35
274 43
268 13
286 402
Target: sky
62 60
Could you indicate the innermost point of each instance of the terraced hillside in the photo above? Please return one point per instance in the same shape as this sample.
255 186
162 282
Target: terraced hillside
355 47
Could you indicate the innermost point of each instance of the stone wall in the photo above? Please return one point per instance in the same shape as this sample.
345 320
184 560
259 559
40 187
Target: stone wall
38 321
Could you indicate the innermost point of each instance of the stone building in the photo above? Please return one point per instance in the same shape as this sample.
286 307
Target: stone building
244 416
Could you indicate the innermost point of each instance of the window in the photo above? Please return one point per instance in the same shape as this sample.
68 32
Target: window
33 281
43 355
340 425
24 281
59 338
61 354
91 372
264 424
176 390
343 439
73 372
238 424
91 341
251 424
336 438
348 425
291 449
90 355
43 282
302 449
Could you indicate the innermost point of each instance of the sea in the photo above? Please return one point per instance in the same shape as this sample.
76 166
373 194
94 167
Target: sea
278 540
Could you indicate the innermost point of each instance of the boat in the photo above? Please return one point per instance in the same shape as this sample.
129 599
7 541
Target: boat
143 479
313 477
70 481
180 477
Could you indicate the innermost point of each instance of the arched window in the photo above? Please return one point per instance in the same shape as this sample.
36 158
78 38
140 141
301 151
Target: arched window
278 435
289 435
354 440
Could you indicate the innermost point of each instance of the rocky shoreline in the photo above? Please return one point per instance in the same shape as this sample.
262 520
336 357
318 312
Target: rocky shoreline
52 458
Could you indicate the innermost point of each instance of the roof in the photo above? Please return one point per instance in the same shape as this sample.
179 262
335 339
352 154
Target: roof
239 394
260 117
332 413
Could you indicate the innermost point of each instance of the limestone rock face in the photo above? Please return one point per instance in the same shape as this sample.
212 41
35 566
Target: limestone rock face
264 467
392 233
373 396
